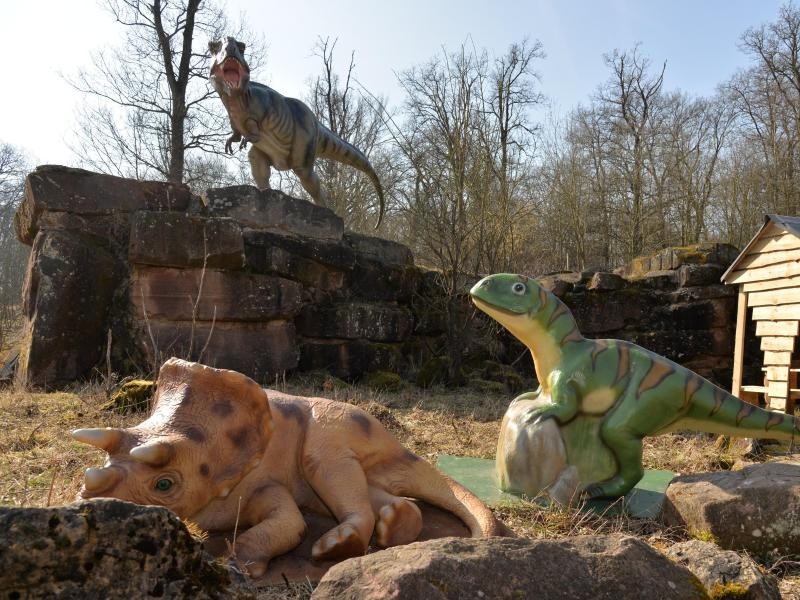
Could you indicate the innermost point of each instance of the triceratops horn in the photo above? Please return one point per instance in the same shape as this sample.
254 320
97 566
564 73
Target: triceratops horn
155 454
99 480
106 439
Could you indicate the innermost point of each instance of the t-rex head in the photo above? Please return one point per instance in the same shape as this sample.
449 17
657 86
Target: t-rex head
208 429
229 72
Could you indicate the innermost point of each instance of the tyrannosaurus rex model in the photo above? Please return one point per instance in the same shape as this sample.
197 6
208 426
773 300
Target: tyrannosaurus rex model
218 451
605 395
284 133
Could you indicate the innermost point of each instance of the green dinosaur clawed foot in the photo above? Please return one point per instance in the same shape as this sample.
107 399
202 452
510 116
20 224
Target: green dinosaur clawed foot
538 414
611 488
594 491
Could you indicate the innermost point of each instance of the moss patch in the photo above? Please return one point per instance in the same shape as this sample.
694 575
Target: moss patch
728 591
432 371
134 396
384 381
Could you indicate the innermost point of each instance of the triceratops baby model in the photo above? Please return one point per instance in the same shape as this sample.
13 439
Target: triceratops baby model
216 450
284 133
601 398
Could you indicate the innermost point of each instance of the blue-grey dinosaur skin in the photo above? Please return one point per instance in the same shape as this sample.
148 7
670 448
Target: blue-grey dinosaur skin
632 391
283 132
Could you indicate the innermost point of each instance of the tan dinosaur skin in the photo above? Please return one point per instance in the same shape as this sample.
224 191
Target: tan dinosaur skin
225 448
283 131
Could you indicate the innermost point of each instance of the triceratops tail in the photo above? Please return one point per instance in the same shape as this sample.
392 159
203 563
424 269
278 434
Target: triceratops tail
421 480
331 146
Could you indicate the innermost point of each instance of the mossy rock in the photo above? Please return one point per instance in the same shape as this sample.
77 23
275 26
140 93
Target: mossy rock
729 591
322 380
384 381
487 387
133 396
331 383
505 374
433 370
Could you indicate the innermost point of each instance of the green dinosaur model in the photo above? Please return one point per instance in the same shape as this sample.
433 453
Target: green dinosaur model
284 133
630 391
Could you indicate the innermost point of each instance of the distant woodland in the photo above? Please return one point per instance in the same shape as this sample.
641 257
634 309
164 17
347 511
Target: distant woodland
480 175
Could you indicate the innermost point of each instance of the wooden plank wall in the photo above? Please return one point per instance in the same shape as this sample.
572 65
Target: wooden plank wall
769 280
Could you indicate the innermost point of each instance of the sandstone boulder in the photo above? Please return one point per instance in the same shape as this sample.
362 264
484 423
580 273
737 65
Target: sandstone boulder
108 549
180 240
724 573
261 351
756 509
315 263
272 210
384 251
604 282
583 567
355 320
350 359
332 253
68 289
52 188
177 295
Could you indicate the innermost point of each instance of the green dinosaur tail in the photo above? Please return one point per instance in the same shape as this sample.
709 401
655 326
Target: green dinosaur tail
716 411
333 147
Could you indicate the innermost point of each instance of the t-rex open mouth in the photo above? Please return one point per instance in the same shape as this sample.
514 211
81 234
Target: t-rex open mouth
232 72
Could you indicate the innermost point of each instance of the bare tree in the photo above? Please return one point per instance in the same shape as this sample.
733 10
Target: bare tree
152 107
14 165
767 96
357 119
465 146
627 102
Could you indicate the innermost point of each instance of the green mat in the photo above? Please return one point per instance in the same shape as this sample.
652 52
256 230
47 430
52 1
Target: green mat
477 474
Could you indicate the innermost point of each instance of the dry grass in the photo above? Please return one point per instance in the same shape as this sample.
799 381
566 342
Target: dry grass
40 464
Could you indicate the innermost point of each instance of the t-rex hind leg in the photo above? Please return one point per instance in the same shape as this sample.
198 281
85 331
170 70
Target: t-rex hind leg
259 167
310 182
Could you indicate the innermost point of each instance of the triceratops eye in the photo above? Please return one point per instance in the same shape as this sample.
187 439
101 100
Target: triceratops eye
518 288
164 484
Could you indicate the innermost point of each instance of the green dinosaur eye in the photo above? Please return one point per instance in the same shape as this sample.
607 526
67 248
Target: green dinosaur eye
519 288
163 484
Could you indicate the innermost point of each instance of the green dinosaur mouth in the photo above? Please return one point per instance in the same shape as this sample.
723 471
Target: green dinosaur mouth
483 305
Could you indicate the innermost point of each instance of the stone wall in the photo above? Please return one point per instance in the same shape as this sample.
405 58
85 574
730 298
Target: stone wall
672 303
254 281
264 283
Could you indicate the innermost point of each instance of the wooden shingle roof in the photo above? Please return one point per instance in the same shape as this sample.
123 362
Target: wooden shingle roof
773 224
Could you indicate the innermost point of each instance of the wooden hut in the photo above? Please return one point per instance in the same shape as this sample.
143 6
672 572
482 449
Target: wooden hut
768 275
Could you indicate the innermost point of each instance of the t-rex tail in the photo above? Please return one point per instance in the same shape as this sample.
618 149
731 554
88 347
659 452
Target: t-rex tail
331 146
421 480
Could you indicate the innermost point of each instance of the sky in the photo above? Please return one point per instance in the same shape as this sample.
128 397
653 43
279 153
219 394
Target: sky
47 40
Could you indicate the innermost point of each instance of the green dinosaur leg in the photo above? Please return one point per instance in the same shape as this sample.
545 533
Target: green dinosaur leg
532 395
563 409
627 449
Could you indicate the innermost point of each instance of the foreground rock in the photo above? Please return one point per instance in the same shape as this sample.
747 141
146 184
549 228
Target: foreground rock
724 573
756 509
108 549
591 567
